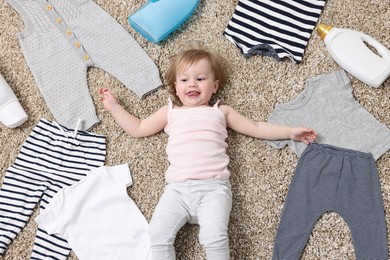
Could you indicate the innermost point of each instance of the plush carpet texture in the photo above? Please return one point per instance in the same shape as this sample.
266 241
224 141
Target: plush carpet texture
260 174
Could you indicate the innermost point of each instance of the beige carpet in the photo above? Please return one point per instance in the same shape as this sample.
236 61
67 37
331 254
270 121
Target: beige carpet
260 175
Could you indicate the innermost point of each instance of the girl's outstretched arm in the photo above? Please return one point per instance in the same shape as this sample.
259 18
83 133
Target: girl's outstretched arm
265 130
130 124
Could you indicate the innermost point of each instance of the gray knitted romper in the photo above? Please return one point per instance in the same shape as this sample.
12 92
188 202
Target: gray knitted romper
62 38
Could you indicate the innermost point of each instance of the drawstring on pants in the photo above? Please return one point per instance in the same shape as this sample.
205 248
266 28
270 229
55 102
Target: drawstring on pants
74 132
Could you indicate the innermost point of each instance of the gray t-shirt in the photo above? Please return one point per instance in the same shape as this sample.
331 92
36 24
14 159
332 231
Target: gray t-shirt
327 106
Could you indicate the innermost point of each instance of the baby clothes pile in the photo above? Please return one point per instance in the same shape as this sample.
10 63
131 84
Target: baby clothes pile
60 41
84 205
337 173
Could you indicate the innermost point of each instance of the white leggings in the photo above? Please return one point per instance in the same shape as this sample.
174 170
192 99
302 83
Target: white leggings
204 202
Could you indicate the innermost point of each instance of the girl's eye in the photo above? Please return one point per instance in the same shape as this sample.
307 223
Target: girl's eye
183 80
200 79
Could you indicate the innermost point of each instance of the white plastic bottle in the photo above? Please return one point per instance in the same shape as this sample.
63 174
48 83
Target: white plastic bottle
11 112
347 47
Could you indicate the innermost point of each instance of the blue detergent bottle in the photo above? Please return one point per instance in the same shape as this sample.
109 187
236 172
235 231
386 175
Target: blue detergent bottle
158 18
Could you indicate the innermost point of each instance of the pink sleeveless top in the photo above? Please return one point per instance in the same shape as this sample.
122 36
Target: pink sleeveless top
196 146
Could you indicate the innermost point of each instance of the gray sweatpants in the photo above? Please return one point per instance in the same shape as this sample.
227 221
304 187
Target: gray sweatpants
329 178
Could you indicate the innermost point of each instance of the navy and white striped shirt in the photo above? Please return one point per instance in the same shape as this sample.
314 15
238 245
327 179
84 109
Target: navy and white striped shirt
275 28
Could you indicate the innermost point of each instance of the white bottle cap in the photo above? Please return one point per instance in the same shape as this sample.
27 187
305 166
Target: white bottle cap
12 114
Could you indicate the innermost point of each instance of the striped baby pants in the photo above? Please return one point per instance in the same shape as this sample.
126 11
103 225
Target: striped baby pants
344 181
51 158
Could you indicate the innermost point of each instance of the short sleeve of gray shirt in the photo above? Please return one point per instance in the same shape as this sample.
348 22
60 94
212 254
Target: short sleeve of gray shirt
327 106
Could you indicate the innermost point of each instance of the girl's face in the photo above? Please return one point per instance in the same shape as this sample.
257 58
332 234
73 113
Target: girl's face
195 84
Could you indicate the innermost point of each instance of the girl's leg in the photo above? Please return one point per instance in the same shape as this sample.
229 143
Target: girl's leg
169 216
213 217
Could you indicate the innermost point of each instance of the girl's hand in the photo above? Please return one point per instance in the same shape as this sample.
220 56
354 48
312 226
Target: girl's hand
108 99
301 134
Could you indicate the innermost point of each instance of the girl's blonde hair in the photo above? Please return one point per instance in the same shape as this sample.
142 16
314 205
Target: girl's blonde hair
184 59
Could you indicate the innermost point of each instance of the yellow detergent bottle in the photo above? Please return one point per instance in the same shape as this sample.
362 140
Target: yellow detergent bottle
349 48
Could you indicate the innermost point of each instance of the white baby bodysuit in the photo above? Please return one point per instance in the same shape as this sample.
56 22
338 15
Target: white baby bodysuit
98 218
